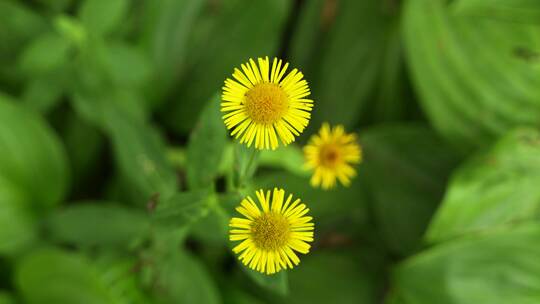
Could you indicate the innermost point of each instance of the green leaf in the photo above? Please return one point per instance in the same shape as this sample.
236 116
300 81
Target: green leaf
45 54
6 298
167 28
140 156
54 276
290 158
347 280
18 226
404 203
256 31
18 24
497 268
277 283
246 161
458 65
351 54
183 279
98 223
42 94
182 209
496 188
127 65
206 147
32 161
526 11
101 17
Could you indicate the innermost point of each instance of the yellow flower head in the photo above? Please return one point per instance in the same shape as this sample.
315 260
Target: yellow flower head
261 105
271 234
332 154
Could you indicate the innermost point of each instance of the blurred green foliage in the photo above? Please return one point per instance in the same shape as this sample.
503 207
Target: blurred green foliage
118 178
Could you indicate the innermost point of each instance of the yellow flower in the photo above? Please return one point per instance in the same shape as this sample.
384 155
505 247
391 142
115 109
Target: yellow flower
332 154
271 234
261 105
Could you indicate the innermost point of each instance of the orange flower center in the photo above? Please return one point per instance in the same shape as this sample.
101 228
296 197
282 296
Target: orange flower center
329 156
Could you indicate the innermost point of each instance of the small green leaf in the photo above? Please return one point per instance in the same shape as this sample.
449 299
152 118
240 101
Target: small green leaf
141 157
182 209
101 17
497 268
18 225
246 161
277 283
98 223
45 54
54 276
494 189
182 278
206 147
32 160
290 158
126 65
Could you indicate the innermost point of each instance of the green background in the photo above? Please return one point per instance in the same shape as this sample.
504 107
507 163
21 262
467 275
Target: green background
117 176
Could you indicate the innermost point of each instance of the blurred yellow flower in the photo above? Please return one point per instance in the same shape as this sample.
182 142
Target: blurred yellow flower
271 234
261 105
331 154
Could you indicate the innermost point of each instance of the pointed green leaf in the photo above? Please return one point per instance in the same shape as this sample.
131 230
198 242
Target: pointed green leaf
88 224
206 147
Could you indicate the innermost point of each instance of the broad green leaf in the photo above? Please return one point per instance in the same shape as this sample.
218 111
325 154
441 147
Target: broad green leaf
101 17
474 76
290 158
182 208
256 31
206 147
183 279
32 160
54 276
140 157
351 54
405 167
497 268
45 54
88 224
496 188
526 11
167 25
